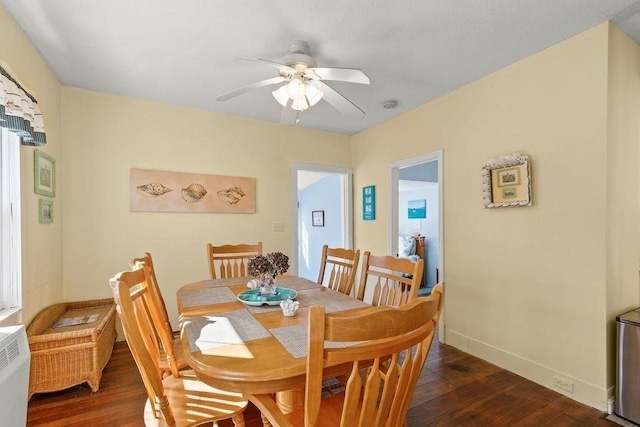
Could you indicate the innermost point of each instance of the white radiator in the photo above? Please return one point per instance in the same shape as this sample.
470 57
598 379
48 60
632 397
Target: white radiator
15 360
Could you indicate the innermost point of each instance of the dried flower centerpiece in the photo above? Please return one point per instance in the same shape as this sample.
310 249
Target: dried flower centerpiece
266 267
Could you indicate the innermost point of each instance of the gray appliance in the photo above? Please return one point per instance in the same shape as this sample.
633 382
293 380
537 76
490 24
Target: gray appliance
628 366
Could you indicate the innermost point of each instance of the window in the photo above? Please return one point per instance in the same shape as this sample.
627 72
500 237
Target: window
10 237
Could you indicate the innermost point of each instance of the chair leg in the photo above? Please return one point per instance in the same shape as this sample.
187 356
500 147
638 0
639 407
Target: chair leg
265 421
238 420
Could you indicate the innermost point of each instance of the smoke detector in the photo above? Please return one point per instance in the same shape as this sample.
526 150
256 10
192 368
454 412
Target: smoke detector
389 104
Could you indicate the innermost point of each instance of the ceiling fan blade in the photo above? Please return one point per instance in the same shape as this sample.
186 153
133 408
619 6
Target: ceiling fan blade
283 68
338 101
351 75
245 89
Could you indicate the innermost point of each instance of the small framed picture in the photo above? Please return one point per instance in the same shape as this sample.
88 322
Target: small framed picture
317 218
45 211
44 174
508 177
506 182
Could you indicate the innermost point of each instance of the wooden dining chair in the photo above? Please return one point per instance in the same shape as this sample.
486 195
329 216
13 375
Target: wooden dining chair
394 351
183 401
231 260
395 280
170 357
341 266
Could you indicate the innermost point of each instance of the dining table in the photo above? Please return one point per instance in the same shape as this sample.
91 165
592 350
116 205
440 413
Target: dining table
253 349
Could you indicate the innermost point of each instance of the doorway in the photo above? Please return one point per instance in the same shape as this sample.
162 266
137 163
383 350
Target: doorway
416 209
321 213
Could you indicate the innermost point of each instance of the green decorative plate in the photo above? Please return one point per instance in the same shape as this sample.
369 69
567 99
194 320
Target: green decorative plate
253 297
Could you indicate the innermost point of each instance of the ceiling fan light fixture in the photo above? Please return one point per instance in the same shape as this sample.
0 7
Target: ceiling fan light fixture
313 95
300 104
296 89
281 95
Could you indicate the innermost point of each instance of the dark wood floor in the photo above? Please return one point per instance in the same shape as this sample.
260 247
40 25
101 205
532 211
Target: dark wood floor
455 389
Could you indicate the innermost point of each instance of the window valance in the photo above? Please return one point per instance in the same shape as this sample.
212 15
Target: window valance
19 111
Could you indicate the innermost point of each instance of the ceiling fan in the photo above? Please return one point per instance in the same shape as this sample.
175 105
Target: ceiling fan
303 82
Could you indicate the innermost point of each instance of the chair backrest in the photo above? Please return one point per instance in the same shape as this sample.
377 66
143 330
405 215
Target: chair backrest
395 351
341 266
139 316
231 260
395 280
153 282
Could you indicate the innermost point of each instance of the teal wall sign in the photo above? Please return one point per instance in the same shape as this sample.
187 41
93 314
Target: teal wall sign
369 203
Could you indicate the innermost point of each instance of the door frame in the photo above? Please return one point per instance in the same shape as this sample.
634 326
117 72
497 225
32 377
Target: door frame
394 173
347 212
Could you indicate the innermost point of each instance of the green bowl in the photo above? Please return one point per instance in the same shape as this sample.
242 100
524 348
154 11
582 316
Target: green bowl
253 297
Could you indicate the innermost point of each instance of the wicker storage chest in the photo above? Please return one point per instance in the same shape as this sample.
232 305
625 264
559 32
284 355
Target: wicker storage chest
66 356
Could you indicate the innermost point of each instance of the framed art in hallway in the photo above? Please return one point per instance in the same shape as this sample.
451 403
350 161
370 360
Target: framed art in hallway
317 218
417 209
44 174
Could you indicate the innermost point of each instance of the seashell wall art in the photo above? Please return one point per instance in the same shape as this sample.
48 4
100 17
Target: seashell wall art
163 191
193 193
153 189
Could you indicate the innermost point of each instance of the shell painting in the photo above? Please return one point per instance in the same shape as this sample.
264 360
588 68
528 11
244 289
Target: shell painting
193 193
153 189
232 195
167 191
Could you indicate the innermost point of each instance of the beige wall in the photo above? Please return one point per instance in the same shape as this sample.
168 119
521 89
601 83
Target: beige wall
106 135
41 243
623 185
526 288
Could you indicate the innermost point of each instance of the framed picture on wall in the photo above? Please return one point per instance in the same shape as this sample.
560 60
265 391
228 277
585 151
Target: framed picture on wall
317 218
45 211
506 182
417 209
44 174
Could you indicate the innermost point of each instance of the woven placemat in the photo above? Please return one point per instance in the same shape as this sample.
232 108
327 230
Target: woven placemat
331 300
226 282
294 340
264 308
233 327
297 283
207 296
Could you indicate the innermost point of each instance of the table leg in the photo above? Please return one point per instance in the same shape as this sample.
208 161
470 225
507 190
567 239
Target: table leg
290 400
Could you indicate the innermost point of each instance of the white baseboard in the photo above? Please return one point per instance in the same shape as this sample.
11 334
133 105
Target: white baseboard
610 402
583 392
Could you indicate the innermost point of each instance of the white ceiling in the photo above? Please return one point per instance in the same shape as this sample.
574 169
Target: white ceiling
307 178
185 52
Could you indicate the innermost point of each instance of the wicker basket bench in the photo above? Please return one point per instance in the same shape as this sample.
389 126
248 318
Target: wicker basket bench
66 356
